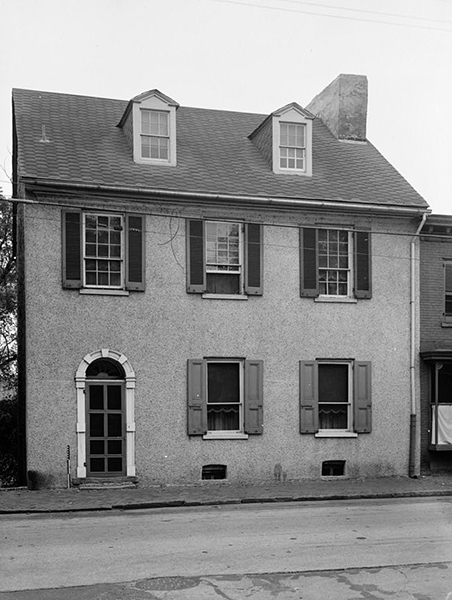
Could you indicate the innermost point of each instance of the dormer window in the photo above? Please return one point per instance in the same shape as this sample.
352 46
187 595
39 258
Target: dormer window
292 146
149 124
292 140
155 134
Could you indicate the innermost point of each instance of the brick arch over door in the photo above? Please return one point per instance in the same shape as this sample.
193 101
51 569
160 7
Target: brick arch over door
80 384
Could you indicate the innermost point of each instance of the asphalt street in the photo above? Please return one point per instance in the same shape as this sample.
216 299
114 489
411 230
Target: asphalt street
242 549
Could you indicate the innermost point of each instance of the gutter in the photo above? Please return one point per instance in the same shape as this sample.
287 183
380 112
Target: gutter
414 304
233 198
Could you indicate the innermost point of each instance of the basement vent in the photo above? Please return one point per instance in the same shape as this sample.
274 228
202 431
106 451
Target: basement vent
214 472
333 468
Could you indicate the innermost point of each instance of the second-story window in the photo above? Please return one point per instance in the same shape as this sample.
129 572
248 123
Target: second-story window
335 258
292 147
223 257
103 250
155 135
448 288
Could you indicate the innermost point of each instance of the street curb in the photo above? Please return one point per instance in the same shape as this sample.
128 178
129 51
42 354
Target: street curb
219 502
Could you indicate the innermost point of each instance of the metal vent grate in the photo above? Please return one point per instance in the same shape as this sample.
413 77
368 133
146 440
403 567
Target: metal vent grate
214 472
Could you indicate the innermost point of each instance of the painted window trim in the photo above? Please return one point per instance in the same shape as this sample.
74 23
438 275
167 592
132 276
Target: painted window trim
80 385
298 119
154 103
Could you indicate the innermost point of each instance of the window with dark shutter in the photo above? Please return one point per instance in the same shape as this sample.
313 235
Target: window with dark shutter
253 259
196 272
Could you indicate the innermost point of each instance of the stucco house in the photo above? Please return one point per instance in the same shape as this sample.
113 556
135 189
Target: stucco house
209 294
436 343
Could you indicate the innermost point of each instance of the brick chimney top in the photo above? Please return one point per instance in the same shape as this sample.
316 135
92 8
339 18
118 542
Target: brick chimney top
342 106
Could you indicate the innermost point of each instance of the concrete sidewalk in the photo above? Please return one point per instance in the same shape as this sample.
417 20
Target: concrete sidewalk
16 501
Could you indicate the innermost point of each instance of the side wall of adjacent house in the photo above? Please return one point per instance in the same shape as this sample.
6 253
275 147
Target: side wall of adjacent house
159 329
435 332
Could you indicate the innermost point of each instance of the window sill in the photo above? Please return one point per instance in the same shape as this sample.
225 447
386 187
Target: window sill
336 434
225 436
446 322
103 292
336 299
225 296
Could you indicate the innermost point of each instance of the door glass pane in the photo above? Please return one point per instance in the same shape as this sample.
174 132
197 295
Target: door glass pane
96 397
96 447
114 397
114 446
97 465
114 425
96 425
114 465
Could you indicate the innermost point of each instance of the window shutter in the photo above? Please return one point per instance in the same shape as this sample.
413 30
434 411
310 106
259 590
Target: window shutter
253 401
309 397
363 272
253 259
363 400
309 282
72 248
196 268
135 253
196 401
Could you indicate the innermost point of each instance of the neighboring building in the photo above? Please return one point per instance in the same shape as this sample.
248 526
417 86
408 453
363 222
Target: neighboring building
213 294
436 343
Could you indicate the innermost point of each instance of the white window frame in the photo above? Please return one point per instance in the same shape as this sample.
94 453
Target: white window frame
295 148
121 259
349 428
154 102
155 136
292 116
349 270
227 433
239 270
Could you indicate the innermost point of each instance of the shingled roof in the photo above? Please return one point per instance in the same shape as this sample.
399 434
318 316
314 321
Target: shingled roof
214 154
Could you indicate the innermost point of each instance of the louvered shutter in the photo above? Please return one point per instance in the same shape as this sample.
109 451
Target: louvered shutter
309 281
196 268
362 397
253 400
363 271
72 248
253 259
135 253
309 397
196 397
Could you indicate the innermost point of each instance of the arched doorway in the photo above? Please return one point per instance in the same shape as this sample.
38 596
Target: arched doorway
105 384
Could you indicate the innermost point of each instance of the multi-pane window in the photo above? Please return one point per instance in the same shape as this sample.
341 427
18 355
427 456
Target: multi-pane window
334 256
103 250
334 395
292 146
155 134
223 246
448 289
224 397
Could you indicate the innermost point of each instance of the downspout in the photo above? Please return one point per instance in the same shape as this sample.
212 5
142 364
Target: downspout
413 306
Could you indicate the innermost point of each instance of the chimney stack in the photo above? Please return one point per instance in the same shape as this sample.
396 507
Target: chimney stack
342 106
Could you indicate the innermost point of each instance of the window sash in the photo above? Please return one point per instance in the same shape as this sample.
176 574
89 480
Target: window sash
335 260
223 247
292 146
103 250
155 135
220 412
332 411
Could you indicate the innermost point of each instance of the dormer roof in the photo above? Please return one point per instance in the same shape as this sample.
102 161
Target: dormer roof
145 96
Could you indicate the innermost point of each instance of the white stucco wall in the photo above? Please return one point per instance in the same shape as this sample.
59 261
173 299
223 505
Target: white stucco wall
160 329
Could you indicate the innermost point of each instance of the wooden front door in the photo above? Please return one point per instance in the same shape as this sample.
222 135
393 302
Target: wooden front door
105 453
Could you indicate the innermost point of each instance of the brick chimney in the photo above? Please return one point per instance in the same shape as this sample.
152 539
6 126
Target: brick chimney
342 106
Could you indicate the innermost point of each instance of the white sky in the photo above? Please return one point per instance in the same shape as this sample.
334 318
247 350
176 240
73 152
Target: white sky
238 55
